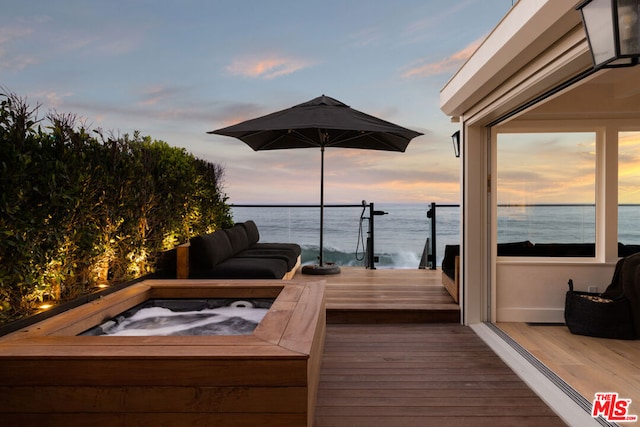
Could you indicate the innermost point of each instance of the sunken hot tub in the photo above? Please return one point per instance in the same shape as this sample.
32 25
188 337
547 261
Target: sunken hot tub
52 375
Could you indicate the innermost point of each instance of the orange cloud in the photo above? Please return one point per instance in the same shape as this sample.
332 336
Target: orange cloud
448 64
267 67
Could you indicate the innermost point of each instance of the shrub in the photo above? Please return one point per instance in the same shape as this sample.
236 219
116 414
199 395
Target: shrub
79 209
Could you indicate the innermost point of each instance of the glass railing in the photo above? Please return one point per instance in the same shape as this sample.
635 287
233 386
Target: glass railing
528 229
547 223
383 236
559 230
415 235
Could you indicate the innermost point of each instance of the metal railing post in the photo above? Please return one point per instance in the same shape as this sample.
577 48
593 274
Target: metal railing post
433 235
370 240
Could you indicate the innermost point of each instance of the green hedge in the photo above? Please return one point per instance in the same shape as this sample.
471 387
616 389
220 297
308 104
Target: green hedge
79 208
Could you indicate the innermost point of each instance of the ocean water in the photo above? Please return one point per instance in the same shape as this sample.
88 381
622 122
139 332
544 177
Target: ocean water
400 235
562 224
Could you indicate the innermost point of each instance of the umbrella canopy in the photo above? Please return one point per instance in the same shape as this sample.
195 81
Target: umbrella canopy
321 122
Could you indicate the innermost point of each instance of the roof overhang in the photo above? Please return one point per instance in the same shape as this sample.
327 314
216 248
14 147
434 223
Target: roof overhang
537 45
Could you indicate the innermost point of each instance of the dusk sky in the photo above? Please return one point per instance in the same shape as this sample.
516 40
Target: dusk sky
177 69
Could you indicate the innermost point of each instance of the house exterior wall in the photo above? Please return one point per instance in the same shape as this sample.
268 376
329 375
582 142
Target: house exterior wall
539 45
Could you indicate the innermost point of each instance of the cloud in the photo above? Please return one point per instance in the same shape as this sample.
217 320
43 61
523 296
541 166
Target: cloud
422 28
445 65
48 39
237 112
158 94
51 99
285 176
18 61
365 37
267 67
15 63
9 33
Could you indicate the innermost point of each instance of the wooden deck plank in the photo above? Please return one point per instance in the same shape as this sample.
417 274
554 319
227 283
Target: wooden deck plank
420 375
587 364
359 295
360 288
265 419
132 399
433 421
384 296
184 373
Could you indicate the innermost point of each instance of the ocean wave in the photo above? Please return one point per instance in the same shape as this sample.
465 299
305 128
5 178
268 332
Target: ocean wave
400 259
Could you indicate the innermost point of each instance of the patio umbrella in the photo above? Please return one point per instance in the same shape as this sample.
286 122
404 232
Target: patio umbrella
322 122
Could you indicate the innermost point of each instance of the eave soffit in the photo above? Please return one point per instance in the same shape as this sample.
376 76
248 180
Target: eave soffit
530 28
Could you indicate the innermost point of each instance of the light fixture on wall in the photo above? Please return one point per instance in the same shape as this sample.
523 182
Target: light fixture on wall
613 31
456 143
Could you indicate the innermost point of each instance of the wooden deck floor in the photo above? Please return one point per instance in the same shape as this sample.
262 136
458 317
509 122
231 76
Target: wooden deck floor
358 295
587 364
395 355
420 375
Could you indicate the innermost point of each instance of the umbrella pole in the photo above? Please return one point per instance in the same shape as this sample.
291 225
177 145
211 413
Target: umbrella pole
321 269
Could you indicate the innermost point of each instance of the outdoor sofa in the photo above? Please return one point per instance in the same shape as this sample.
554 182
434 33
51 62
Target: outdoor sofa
236 253
451 260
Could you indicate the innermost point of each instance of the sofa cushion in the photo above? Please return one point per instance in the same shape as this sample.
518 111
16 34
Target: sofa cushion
563 250
293 248
238 237
254 236
289 256
209 250
626 250
252 231
245 268
448 262
515 248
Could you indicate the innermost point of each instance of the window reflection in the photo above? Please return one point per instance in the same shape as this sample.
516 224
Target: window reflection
546 194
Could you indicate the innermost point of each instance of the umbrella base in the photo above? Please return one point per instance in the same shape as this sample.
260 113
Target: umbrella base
321 270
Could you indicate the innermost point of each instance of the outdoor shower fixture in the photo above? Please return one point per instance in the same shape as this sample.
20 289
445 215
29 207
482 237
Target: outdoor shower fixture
613 31
456 143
